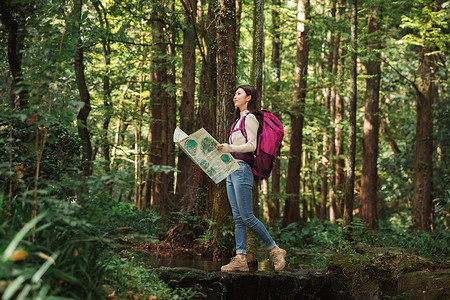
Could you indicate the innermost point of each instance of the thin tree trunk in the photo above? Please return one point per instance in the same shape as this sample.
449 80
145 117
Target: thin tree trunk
385 133
106 45
292 209
171 106
312 186
369 177
257 79
274 200
137 149
82 117
338 107
326 138
350 182
304 191
238 22
423 159
119 125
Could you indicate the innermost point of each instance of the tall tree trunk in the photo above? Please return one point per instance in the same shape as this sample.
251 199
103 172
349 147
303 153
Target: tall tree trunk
82 117
165 141
156 123
274 200
325 137
350 182
238 22
338 107
369 177
207 92
257 81
12 20
292 206
423 160
137 147
171 107
119 126
332 144
304 186
106 45
226 84
186 167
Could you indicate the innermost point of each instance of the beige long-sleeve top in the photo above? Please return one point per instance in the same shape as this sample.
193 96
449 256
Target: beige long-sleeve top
239 144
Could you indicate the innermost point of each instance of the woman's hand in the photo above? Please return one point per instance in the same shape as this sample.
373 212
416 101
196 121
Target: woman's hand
224 148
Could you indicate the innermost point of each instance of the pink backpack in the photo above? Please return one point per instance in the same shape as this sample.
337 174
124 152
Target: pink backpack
270 137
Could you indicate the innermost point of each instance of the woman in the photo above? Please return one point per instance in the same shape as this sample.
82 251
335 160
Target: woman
240 183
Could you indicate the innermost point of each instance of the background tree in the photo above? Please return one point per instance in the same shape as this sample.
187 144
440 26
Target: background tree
185 188
274 201
226 85
13 17
82 117
368 193
338 109
350 181
326 139
291 209
426 95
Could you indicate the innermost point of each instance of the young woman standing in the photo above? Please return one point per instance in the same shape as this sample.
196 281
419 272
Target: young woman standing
240 183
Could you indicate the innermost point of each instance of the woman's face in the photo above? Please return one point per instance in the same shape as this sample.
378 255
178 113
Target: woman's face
241 99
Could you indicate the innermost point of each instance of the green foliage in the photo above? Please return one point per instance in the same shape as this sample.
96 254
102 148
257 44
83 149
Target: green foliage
218 241
21 135
110 218
441 203
129 279
429 24
40 261
326 238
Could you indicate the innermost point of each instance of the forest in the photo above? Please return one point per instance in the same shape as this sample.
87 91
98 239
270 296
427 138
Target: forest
92 184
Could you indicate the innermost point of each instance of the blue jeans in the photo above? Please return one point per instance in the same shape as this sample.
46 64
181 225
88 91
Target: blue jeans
239 190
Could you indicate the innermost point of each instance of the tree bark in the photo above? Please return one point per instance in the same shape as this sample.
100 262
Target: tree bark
274 200
238 22
369 177
15 47
137 148
207 94
350 181
338 147
171 119
159 77
106 46
226 84
292 206
322 213
83 114
185 192
257 81
423 159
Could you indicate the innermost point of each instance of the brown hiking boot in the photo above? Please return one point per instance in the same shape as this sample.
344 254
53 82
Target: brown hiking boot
236 264
278 260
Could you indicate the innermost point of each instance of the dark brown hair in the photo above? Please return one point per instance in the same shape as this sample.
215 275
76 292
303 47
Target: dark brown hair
252 105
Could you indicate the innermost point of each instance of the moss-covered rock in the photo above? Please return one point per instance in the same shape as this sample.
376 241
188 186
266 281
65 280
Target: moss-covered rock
374 273
425 285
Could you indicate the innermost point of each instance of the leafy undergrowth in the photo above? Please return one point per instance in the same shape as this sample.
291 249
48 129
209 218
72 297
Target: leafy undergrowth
129 279
89 252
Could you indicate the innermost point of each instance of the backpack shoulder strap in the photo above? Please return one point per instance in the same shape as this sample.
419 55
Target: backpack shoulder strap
240 128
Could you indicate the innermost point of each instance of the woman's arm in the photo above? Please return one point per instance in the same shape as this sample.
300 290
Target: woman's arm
251 128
